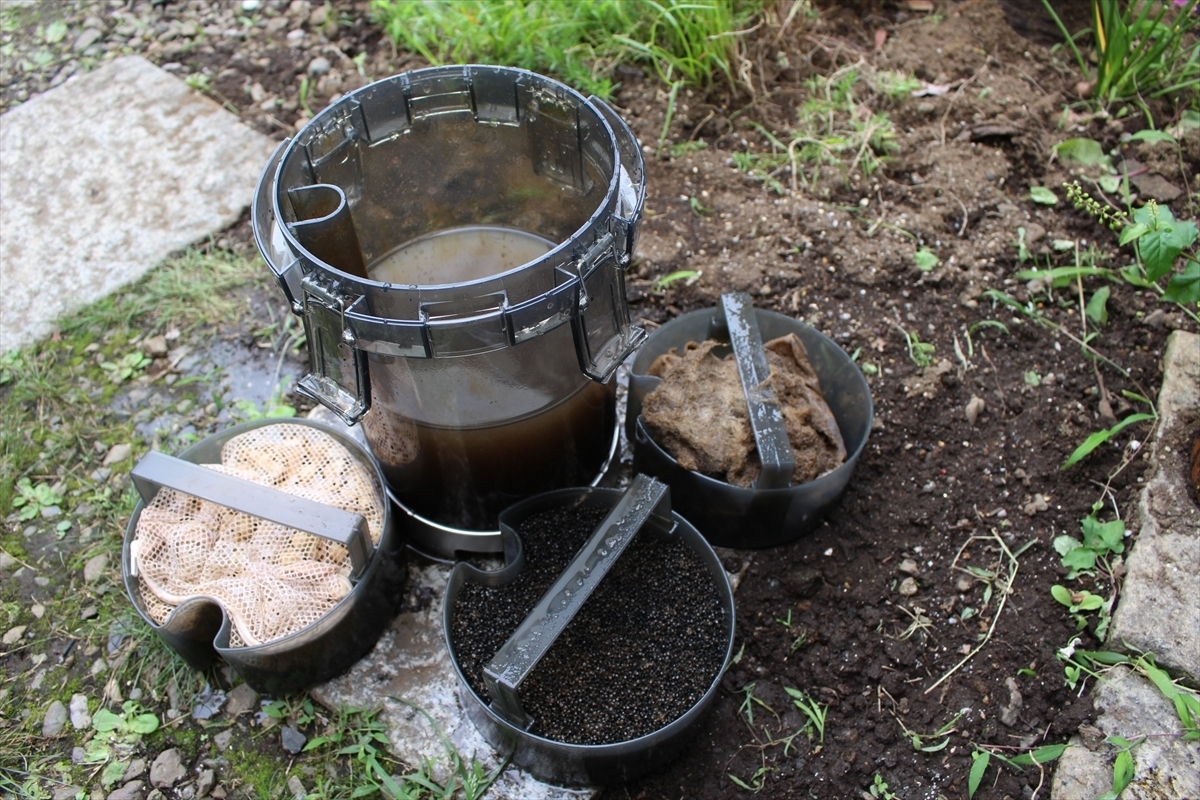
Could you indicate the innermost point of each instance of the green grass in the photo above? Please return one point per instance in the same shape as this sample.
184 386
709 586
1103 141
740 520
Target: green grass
695 41
1142 50
54 394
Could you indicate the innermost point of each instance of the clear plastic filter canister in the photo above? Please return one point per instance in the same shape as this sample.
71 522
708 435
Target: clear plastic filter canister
455 239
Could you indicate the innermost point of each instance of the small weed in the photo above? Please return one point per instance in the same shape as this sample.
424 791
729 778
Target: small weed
117 735
698 208
933 742
199 81
920 353
981 758
763 167
896 86
879 789
129 366
687 276
302 95
32 499
1100 540
1089 445
681 149
815 712
1042 196
834 127
919 623
756 781
749 700
1160 243
925 259
360 735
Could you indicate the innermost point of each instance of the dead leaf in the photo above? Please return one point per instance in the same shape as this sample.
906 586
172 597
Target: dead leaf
880 39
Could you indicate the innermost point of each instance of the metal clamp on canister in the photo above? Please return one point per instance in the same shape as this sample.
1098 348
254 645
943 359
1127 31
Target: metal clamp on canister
339 370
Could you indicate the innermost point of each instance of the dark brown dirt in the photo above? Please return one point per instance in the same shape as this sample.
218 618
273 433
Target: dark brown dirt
875 615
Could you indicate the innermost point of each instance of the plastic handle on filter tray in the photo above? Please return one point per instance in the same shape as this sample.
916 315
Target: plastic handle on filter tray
646 500
157 470
766 418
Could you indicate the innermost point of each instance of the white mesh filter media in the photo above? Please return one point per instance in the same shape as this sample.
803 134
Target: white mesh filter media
272 581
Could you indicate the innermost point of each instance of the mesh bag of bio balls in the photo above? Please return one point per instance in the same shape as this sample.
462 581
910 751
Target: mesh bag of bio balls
272 581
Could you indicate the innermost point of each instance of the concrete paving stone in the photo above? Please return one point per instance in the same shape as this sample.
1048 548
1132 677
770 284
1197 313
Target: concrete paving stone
1165 765
1159 609
105 176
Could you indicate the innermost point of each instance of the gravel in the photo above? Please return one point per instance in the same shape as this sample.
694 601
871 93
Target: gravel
638 655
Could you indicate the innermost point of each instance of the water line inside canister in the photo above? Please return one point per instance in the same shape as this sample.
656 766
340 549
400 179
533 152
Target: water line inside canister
458 255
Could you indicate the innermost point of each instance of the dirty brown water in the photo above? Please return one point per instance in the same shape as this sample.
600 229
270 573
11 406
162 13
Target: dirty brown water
464 475
459 255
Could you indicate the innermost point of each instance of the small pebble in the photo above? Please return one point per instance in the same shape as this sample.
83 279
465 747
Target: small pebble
908 587
55 720
117 454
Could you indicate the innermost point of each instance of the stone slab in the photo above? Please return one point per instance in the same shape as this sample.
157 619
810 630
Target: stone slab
1165 765
1159 609
104 177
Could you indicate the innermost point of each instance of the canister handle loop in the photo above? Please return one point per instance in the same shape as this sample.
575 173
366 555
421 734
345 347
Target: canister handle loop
156 470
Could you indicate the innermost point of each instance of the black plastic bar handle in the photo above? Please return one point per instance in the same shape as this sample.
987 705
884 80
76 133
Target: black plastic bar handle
766 418
157 470
646 500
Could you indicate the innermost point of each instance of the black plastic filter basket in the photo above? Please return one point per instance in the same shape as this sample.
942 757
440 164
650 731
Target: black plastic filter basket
199 628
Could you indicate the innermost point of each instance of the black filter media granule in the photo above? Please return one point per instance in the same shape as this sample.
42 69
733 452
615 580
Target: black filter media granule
642 651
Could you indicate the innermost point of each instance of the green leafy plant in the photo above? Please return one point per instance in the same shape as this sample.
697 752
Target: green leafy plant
1095 663
687 276
359 735
933 742
920 353
117 735
815 712
302 94
894 85
199 81
1100 540
925 259
1142 49
1042 195
1089 445
879 788
1160 240
698 208
130 365
763 167
681 149
837 126
981 758
1122 766
32 499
